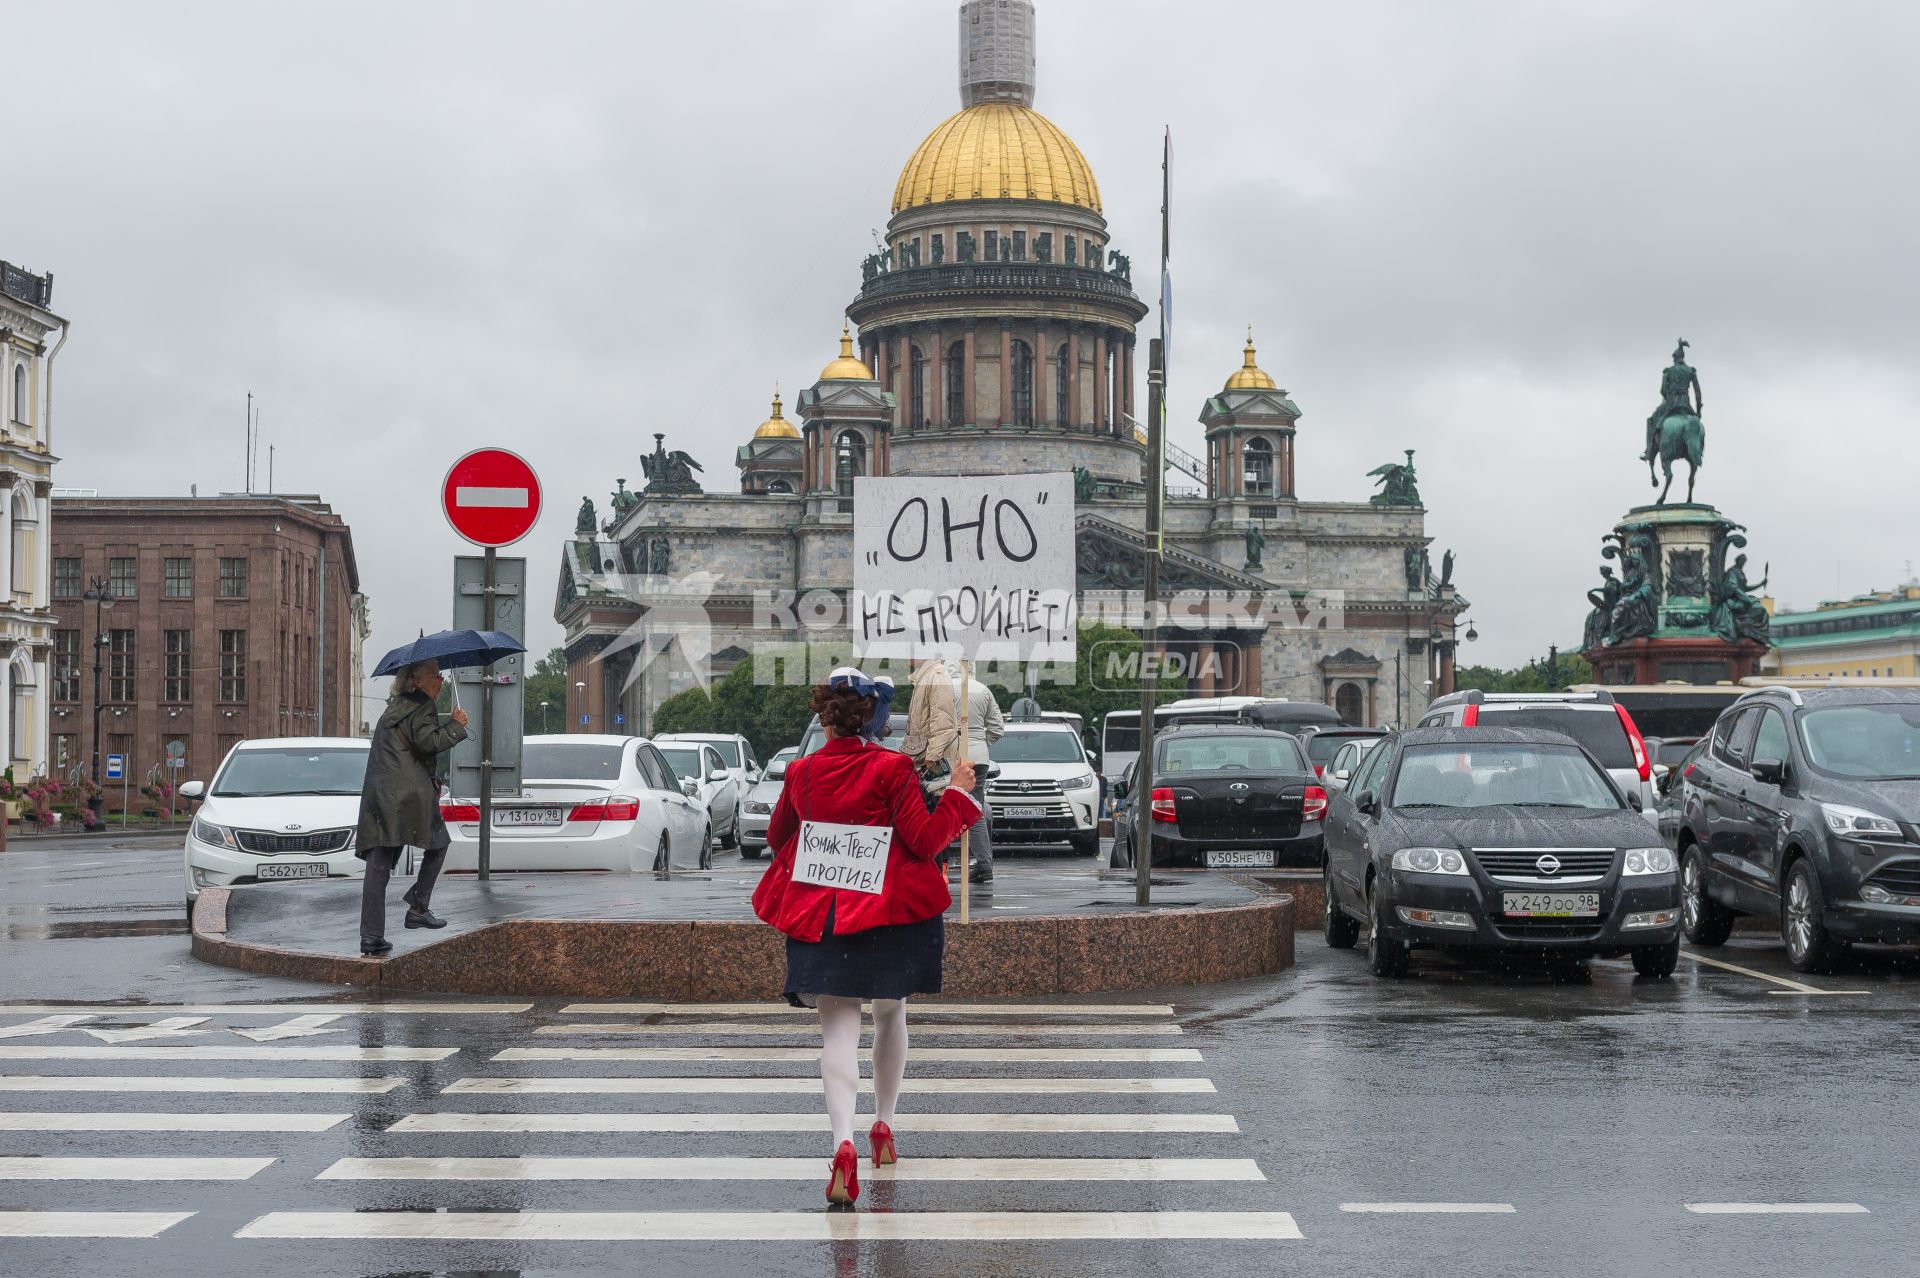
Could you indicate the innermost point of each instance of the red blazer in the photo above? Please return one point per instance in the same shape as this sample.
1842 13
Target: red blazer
849 782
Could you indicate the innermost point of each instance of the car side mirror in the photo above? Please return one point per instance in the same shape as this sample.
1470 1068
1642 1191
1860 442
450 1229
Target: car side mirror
718 774
1635 802
690 788
1342 775
1770 771
193 789
1119 790
775 772
1367 803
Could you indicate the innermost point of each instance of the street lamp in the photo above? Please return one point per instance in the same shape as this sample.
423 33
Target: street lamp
544 725
581 687
101 598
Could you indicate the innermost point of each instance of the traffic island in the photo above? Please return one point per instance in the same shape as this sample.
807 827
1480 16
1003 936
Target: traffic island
1038 929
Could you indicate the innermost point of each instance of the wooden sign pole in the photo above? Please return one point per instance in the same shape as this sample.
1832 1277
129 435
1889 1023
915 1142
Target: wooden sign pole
962 697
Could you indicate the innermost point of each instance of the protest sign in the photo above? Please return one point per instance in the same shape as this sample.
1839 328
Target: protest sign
978 567
843 856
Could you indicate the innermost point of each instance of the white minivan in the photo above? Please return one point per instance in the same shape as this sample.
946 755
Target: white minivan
279 808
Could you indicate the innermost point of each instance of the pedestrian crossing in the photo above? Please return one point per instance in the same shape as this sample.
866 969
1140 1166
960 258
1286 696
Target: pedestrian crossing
1037 1128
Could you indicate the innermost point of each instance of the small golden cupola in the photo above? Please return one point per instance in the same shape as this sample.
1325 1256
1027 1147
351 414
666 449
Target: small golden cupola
847 368
1249 375
776 426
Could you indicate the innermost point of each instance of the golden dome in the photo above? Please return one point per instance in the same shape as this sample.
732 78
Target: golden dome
847 368
1249 376
776 426
997 151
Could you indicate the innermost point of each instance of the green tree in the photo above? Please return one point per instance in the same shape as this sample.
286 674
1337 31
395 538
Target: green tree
1555 672
770 716
546 681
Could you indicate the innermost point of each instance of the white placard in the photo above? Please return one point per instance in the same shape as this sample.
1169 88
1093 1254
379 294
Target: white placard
853 857
979 567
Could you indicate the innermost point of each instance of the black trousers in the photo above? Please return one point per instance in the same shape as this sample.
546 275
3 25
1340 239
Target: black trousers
373 888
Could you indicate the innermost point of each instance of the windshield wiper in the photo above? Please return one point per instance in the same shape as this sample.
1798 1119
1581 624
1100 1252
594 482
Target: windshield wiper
1537 803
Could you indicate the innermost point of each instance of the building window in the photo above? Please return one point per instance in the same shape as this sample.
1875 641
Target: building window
179 687
233 666
233 578
939 248
20 393
1073 251
1022 383
1259 472
120 665
917 388
179 579
122 573
993 246
66 665
781 487
66 578
956 384
850 459
1352 707
20 722
285 581
1019 246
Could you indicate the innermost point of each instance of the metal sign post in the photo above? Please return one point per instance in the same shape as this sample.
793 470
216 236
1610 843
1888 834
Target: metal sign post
1149 631
966 835
488 609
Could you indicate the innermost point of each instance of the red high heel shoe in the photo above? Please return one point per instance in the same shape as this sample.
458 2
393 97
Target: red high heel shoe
880 1141
844 1187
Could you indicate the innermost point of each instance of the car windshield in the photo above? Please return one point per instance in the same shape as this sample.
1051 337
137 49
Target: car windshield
285 770
541 761
1506 775
1598 728
1036 747
1261 751
1321 746
684 760
1674 750
1870 743
729 751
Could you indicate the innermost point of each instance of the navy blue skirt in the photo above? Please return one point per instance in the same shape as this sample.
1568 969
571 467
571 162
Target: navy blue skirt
881 962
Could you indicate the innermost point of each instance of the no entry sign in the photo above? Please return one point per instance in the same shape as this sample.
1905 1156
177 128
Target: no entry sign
492 497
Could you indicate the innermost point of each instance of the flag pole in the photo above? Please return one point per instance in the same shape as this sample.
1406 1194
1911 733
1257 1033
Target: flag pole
966 869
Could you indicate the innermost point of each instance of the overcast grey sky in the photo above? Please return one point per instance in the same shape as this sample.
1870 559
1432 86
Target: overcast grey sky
1474 229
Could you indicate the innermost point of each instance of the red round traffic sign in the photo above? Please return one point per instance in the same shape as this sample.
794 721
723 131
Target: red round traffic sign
492 497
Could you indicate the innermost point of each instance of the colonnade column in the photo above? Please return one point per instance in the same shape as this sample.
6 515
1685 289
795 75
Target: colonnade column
1073 377
1100 382
969 409
1006 377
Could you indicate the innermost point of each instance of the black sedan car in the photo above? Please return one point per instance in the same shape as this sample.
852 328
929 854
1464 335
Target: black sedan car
1495 838
1225 796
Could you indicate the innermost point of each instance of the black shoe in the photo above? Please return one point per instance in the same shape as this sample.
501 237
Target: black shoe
424 918
376 947
980 876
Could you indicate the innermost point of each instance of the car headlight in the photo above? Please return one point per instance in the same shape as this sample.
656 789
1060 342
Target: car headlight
1080 782
757 808
1650 861
218 835
1858 823
1430 861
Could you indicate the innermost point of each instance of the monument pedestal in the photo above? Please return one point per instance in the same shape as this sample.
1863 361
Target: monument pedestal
1680 611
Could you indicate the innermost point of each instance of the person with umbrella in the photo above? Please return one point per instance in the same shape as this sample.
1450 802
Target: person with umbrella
400 801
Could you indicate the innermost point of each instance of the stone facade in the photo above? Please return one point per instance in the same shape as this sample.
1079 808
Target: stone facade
244 619
26 513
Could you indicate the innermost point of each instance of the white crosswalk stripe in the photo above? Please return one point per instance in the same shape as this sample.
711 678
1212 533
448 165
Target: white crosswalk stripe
645 1085
929 1008
208 1052
942 1055
88 1224
59 1168
41 1121
919 1029
45 1025
987 1169
809 1122
294 1027
170 1027
190 1083
816 1226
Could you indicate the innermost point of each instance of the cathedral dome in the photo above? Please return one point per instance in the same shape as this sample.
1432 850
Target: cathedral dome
1249 376
997 151
776 426
847 368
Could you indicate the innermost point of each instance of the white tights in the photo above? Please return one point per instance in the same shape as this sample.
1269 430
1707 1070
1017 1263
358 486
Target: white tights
840 1058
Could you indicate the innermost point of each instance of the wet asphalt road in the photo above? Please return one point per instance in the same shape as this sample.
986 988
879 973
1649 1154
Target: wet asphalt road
1597 1111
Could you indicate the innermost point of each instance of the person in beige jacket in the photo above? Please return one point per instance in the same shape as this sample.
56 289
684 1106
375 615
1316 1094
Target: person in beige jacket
933 736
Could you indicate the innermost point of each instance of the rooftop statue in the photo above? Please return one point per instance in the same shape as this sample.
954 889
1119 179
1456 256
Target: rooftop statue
587 522
1398 486
670 473
1674 430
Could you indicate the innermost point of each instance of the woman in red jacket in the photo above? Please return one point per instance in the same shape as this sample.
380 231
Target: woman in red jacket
857 889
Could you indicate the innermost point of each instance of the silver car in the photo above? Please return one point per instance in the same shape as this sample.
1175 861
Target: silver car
757 811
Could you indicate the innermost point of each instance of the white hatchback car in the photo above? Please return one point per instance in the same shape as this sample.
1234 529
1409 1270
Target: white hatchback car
279 808
587 802
720 789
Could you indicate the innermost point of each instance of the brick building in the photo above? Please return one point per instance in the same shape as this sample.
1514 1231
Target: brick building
232 617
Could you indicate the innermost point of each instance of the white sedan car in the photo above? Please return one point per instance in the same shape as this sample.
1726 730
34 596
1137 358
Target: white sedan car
587 802
281 808
719 791
761 800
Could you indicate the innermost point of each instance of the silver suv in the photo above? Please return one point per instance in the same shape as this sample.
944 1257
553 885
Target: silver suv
1594 719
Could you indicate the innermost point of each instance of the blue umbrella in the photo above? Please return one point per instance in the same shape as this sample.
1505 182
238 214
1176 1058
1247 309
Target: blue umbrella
452 649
